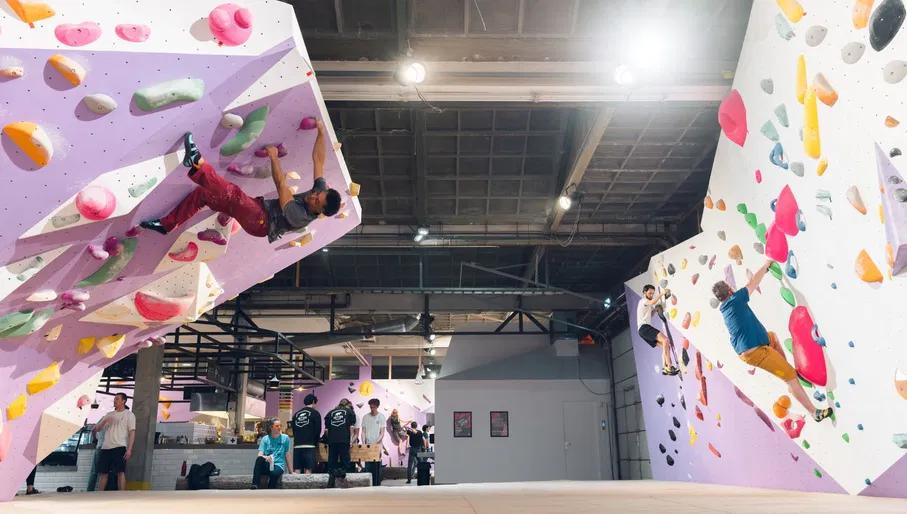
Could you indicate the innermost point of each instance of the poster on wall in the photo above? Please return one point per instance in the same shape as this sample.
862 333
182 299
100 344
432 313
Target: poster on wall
500 424
462 424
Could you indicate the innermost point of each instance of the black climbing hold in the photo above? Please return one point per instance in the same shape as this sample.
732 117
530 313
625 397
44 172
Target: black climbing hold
671 269
894 179
901 194
672 435
670 460
685 357
662 448
894 152
676 423
660 400
676 452
885 23
672 405
683 403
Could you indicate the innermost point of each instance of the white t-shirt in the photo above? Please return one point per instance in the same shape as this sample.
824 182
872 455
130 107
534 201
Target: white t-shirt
371 427
644 313
116 433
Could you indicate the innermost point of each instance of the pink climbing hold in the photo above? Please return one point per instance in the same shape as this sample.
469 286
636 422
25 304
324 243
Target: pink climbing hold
96 203
212 236
776 244
133 231
83 401
235 227
133 33
223 219
98 252
809 359
263 152
112 246
793 427
187 254
308 123
78 34
75 295
156 308
686 321
732 117
230 24
786 210
758 176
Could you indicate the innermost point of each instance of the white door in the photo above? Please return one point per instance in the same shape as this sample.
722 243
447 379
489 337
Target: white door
584 434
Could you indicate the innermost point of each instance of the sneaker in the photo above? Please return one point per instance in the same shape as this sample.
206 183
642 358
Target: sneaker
154 225
670 371
822 414
33 491
409 481
193 155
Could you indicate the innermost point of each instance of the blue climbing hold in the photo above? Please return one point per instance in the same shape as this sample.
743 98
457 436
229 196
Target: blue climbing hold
851 381
859 426
835 286
868 482
773 204
777 156
850 344
821 340
800 223
838 404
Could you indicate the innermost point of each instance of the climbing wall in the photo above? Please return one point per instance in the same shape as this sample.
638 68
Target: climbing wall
94 100
809 173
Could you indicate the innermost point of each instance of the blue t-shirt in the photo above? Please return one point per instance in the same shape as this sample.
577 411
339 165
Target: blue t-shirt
746 330
276 446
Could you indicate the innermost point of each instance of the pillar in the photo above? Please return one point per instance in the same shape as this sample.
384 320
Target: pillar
239 403
144 406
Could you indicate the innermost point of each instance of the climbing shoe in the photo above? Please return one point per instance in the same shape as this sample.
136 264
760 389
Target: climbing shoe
822 414
193 155
671 371
154 225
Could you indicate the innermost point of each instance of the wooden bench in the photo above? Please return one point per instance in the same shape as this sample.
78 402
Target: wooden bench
299 481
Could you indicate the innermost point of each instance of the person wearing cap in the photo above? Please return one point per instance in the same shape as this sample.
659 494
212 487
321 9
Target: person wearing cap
306 424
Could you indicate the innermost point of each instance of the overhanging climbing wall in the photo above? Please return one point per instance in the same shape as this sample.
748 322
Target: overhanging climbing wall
810 173
94 99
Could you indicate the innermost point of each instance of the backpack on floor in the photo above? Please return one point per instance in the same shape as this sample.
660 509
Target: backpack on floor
199 476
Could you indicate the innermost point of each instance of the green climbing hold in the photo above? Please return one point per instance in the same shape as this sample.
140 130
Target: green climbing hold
741 208
789 344
806 444
805 383
751 220
788 297
113 265
253 126
163 94
14 319
140 189
34 323
845 437
816 471
760 232
831 396
776 270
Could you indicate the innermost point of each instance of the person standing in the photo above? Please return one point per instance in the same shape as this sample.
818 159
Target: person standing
30 482
341 425
371 432
416 445
306 425
274 458
119 435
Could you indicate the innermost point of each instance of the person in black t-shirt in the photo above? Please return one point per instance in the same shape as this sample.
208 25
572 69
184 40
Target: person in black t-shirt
416 445
339 424
306 425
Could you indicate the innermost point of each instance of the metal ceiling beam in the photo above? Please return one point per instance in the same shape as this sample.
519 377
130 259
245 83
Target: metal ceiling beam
580 82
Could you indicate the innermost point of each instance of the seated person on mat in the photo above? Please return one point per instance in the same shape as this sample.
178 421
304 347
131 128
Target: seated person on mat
650 334
274 457
257 216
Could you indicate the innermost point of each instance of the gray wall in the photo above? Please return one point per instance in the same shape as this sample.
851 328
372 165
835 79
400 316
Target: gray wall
633 451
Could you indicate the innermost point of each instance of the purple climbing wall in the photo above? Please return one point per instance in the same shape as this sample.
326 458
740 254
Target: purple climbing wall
77 174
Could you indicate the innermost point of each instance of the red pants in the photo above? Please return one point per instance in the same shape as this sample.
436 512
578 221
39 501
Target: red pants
221 195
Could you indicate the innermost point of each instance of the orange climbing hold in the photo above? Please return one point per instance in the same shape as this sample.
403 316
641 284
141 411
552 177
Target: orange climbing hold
781 406
791 9
31 11
720 205
866 268
861 11
824 90
708 202
891 122
735 254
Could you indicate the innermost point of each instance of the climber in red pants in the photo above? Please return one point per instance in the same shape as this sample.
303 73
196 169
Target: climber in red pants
257 216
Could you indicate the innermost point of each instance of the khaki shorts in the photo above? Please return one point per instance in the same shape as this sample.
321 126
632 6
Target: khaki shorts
770 360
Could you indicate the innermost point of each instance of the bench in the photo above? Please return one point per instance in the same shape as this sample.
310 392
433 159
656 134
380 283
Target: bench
299 481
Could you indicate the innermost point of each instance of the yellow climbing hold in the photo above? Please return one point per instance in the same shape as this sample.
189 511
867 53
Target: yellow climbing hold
45 379
696 317
683 264
801 78
791 9
16 408
811 143
673 313
866 268
110 345
354 189
822 166
31 11
54 333
32 140
68 68
881 215
693 435
86 344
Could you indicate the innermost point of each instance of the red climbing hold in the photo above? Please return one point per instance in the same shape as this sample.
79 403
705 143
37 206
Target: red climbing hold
786 212
793 427
714 451
776 244
699 415
809 359
732 117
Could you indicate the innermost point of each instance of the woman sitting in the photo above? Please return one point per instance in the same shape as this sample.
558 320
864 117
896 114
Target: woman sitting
274 457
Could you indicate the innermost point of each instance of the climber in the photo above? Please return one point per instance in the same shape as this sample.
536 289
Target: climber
650 334
754 344
257 216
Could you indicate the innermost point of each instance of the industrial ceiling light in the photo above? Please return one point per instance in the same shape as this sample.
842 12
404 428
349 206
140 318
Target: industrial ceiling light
624 75
565 202
431 351
422 230
432 337
606 303
274 380
325 250
418 238
410 73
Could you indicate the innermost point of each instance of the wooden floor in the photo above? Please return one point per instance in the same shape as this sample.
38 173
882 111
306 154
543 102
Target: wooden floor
523 498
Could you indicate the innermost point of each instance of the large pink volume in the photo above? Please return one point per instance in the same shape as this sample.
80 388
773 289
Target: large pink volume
776 246
809 359
732 117
786 210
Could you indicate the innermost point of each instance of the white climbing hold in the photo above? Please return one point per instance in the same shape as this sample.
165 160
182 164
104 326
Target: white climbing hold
100 103
852 52
231 121
767 85
43 295
894 72
12 72
796 168
815 35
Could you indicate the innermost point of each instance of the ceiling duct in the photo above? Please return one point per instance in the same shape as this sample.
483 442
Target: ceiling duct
354 334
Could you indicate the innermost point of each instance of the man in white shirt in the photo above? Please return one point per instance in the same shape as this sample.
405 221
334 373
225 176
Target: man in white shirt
651 335
371 432
119 435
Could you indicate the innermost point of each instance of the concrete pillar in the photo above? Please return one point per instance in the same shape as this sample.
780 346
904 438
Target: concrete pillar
239 404
144 406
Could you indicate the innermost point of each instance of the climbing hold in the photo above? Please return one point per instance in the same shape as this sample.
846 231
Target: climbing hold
64 221
231 121
85 345
791 9
732 117
96 203
698 413
801 78
885 23
671 269
809 358
163 94
768 130
860 13
78 34
783 27
35 320
68 68
712 261
686 321
695 278
751 220
900 194
852 52
157 308
819 396
187 254
815 35
100 103
824 90
788 296
676 422
253 125
895 152
821 166
54 333
851 381
811 141
786 211
720 205
139 190
110 345
354 189
662 448
781 114
758 177
263 151
722 235
824 210
767 85
670 460
45 379
32 140
212 236
796 168
708 202
230 24
846 437
31 11
853 196
15 319
703 259
308 123
12 72
16 408
113 266
866 268
713 303
75 295
696 318
792 266
673 313
736 254
776 246
777 156
894 72
693 435
741 208
672 435
660 400
43 295
823 194
133 33
794 427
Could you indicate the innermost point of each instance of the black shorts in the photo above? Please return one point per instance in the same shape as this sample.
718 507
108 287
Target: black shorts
649 334
304 458
112 460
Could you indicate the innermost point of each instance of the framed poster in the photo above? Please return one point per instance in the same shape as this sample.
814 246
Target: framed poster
462 424
500 424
